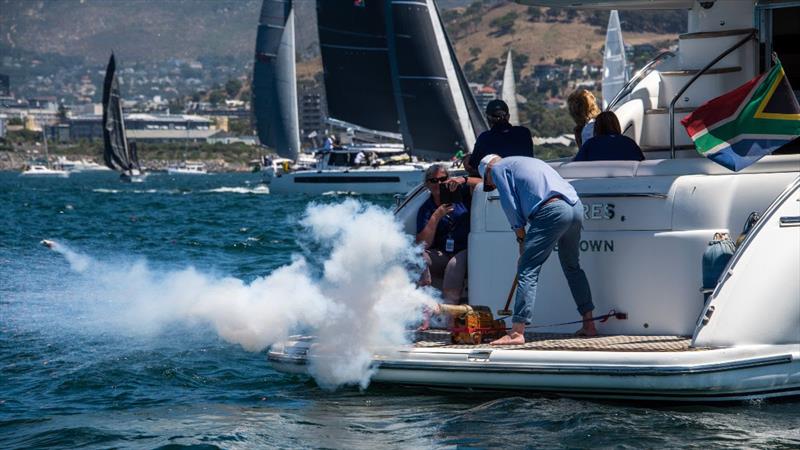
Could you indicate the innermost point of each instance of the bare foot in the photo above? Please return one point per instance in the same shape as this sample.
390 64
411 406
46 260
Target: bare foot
586 332
512 338
588 329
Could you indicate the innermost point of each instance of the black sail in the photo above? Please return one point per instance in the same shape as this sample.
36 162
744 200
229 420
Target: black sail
436 107
274 84
355 58
115 152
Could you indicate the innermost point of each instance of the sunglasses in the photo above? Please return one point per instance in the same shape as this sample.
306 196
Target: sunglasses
441 179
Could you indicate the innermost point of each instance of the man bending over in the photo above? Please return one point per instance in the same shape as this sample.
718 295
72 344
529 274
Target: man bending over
533 193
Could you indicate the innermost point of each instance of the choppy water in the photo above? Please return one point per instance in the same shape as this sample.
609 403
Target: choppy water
71 378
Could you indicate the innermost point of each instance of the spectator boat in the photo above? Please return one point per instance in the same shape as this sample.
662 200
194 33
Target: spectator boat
646 227
380 169
188 168
41 170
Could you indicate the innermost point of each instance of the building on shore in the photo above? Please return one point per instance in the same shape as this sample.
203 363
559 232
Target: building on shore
312 114
483 94
147 127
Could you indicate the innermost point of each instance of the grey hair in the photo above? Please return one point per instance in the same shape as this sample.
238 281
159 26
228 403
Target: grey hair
433 168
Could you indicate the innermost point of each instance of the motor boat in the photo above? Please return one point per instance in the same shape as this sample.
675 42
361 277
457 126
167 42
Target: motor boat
646 227
41 170
188 168
358 168
81 165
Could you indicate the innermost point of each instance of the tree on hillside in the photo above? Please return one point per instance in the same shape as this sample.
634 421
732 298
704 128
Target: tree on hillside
553 14
232 87
504 24
534 14
216 97
520 61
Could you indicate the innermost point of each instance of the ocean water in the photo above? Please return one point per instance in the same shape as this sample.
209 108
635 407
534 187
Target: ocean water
121 340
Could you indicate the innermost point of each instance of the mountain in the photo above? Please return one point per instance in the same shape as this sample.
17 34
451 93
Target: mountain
145 31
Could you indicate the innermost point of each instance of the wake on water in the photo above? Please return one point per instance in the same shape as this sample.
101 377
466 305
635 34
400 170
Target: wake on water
365 297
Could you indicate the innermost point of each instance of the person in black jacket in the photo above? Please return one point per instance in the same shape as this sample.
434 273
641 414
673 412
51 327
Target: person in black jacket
608 143
501 139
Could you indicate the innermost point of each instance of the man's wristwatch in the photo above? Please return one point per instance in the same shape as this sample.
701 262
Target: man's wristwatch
466 178
520 239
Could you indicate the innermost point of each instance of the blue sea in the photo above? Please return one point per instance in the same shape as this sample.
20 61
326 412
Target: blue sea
121 339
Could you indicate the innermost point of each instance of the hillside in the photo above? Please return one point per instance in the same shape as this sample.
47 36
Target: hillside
145 31
484 31
154 31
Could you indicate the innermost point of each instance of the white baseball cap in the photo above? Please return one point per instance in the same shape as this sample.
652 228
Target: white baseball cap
485 162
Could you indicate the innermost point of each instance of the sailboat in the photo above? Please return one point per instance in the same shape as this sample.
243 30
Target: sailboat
44 170
615 74
388 67
274 79
118 153
509 92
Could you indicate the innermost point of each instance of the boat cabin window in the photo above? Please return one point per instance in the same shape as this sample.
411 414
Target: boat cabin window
341 159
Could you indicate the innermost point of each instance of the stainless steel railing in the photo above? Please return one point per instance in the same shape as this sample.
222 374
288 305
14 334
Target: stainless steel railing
719 57
638 76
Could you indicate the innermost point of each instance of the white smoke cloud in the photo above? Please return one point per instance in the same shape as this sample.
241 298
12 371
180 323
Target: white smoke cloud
364 300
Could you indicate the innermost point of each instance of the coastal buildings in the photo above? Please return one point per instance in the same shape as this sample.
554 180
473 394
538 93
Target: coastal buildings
312 115
147 127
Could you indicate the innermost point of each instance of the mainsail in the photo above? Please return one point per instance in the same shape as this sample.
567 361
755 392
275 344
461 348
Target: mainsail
509 92
614 71
117 153
435 105
274 80
355 58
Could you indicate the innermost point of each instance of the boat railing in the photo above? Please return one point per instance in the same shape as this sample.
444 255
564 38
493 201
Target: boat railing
638 76
686 86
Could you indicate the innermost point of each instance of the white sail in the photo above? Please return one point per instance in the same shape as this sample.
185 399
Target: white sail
509 92
614 73
452 76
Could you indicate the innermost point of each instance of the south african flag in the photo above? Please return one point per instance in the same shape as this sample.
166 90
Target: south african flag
737 128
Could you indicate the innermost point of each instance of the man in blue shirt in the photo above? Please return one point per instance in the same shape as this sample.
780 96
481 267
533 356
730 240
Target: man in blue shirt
501 139
533 193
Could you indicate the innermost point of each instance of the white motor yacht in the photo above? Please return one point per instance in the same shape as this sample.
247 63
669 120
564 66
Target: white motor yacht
41 170
360 168
188 168
646 227
81 165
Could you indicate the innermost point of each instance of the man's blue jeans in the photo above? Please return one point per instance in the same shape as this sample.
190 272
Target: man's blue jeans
554 223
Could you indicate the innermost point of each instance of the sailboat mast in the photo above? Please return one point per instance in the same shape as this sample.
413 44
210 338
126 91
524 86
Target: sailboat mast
46 151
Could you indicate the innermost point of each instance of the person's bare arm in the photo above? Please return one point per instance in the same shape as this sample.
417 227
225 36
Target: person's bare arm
429 232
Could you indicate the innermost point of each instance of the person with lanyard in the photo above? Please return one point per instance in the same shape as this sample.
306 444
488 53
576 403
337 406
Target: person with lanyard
443 229
532 193
501 139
